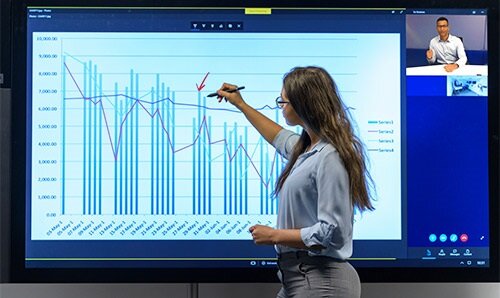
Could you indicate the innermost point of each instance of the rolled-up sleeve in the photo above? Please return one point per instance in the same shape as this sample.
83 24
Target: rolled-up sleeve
334 226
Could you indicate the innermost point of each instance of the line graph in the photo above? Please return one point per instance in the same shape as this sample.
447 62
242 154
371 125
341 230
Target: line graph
127 146
138 102
162 126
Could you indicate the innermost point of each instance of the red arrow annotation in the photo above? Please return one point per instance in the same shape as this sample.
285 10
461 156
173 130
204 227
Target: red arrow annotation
202 85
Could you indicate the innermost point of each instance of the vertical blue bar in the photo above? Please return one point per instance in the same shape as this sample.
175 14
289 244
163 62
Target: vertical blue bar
84 177
199 160
133 152
157 160
235 165
94 106
209 166
161 111
126 141
173 155
136 111
170 148
90 124
273 178
279 166
261 173
269 185
100 145
247 167
152 158
63 137
115 157
120 147
125 131
204 146
230 176
240 163
193 186
225 166
162 161
131 127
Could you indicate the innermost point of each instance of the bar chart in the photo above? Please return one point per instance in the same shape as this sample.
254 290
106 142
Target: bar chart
126 144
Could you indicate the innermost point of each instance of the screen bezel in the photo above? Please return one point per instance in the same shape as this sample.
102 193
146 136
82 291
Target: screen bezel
19 273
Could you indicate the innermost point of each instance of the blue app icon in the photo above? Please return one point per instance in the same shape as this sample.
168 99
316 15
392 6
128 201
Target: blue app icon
443 237
432 237
453 237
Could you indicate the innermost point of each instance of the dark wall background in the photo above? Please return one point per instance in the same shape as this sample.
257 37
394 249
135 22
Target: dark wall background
5 39
5 81
374 290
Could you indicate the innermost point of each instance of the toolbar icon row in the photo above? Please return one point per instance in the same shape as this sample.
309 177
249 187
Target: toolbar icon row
453 238
216 26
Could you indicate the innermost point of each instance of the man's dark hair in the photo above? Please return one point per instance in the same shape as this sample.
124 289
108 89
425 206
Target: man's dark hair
442 19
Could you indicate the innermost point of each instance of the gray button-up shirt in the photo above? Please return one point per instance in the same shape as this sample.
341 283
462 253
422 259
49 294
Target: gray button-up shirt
315 198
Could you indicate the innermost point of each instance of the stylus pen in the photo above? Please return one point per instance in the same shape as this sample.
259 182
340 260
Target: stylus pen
230 91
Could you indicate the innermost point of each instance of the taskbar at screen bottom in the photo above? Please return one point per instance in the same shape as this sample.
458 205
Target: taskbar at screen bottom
245 263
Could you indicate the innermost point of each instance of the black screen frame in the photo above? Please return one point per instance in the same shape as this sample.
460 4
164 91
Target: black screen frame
19 273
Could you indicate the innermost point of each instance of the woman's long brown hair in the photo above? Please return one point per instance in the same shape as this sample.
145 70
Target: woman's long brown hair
314 97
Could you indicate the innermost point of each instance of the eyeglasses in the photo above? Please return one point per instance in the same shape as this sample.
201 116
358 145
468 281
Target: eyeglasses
280 103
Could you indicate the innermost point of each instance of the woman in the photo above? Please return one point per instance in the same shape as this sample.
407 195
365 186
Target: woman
324 180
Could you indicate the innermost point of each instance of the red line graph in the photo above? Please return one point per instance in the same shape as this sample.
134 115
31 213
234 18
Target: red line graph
203 128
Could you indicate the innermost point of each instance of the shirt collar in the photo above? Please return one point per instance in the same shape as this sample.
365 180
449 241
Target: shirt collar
318 147
447 40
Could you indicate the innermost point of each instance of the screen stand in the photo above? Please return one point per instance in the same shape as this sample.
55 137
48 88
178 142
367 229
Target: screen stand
193 290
